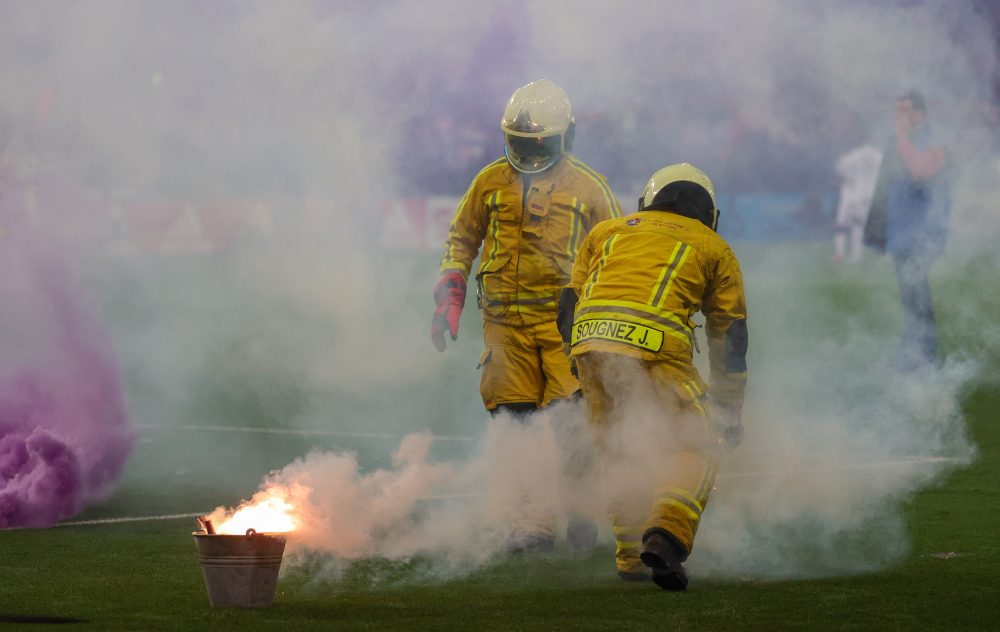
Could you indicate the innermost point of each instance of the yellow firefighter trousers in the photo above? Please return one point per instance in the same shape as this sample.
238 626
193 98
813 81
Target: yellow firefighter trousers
657 446
524 365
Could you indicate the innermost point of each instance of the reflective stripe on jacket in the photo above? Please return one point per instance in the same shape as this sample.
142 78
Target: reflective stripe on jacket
530 228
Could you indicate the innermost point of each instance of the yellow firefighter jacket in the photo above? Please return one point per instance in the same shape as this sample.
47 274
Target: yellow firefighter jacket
640 279
530 228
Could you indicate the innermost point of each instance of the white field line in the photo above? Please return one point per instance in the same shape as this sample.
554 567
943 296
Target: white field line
918 460
760 474
293 431
83 523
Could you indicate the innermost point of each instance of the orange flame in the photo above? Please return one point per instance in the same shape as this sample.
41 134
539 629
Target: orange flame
268 512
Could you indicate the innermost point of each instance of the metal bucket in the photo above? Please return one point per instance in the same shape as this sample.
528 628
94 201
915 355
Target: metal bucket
240 571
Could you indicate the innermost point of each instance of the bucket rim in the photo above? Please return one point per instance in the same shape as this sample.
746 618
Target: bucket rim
278 535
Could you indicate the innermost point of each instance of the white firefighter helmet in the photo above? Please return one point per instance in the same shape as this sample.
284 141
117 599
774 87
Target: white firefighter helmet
682 189
537 126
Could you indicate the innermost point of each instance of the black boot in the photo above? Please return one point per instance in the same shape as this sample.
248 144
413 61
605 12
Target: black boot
662 554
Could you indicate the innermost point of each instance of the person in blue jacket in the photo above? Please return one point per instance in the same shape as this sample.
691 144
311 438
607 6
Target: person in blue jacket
909 221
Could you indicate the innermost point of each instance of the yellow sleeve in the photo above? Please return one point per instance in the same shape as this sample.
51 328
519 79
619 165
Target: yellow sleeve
581 267
466 232
725 309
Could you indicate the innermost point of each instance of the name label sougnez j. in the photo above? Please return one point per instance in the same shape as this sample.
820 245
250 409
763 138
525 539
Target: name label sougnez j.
618 331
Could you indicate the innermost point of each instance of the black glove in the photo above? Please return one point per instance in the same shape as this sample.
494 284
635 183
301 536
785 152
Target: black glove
729 423
732 436
566 314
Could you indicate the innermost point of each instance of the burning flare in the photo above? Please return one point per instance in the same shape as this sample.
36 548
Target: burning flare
269 511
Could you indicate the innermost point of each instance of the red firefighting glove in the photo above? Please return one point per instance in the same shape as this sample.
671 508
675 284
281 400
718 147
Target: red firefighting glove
449 294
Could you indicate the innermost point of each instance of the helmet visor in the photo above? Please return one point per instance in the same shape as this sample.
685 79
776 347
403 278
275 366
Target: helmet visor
533 154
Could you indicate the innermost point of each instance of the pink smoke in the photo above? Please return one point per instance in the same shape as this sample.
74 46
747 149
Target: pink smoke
64 431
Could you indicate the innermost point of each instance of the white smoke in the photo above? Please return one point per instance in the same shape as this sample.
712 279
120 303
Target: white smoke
458 513
818 488
312 110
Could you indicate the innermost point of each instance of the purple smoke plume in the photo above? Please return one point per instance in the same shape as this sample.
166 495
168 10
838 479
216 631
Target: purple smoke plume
64 431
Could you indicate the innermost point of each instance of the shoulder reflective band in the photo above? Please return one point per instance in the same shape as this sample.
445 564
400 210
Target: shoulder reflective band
618 331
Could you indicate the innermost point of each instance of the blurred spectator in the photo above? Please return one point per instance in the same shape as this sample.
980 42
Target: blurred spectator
909 220
858 170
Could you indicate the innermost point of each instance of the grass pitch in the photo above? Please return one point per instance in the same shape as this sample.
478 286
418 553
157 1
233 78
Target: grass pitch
144 575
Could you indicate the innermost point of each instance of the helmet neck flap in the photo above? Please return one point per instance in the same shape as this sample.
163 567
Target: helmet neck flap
684 190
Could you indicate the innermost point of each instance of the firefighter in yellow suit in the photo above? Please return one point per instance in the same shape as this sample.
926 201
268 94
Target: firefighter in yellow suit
637 283
529 211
